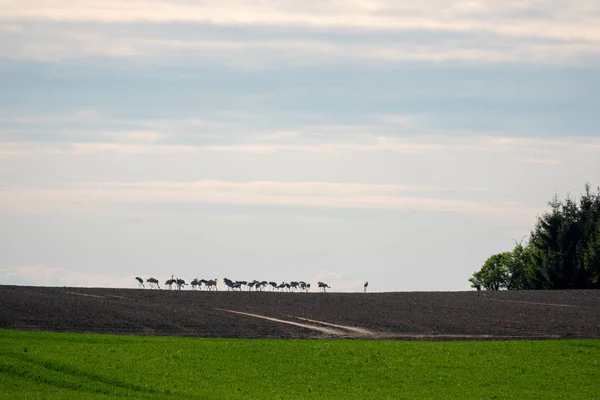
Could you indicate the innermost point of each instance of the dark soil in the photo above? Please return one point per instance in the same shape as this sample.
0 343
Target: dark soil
406 315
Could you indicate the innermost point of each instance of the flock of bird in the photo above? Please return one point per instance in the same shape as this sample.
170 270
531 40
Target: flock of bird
211 284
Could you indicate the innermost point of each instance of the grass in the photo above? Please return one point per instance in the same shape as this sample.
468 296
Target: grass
35 365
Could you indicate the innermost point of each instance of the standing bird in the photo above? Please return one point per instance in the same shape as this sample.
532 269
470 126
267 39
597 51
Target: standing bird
140 281
366 284
323 286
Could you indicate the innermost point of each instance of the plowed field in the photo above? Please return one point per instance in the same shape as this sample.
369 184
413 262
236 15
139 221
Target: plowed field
402 315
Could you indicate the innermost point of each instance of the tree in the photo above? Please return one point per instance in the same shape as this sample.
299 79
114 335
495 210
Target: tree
516 270
546 260
588 250
563 244
494 273
591 257
563 251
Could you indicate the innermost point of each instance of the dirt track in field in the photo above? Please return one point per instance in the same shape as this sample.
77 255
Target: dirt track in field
402 315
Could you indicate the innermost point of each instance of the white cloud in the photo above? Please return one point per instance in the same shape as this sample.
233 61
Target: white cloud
10 28
136 136
543 161
148 142
488 31
577 20
377 144
110 197
16 149
64 44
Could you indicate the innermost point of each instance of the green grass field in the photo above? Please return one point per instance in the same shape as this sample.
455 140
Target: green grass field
37 365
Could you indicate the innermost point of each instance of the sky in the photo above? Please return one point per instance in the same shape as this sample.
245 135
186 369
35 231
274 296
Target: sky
337 141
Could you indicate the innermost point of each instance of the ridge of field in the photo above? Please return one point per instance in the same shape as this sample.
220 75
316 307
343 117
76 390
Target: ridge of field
398 315
37 365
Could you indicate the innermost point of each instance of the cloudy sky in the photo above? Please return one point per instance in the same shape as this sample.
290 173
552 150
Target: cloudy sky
344 141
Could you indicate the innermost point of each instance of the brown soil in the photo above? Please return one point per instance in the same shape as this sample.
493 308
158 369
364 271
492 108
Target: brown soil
406 315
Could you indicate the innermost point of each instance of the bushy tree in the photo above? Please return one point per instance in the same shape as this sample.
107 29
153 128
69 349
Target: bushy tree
506 270
516 274
493 275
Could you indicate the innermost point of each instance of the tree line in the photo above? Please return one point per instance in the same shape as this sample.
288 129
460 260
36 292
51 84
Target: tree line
562 251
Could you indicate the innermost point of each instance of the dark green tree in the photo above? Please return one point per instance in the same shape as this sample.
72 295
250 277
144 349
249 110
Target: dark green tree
588 250
591 257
